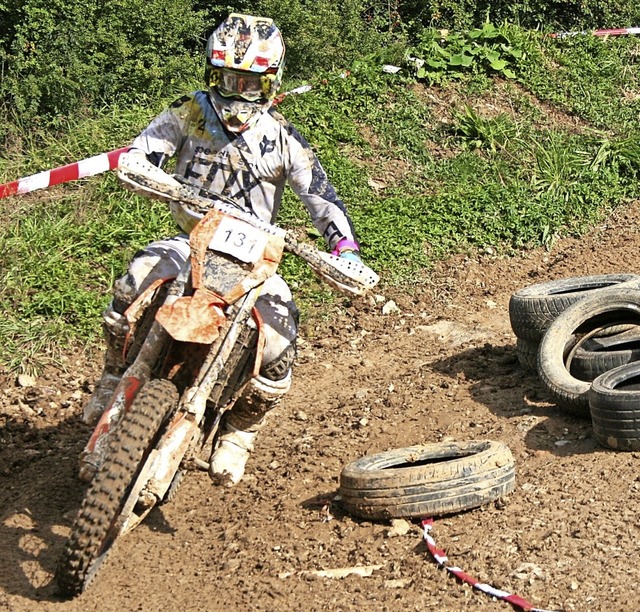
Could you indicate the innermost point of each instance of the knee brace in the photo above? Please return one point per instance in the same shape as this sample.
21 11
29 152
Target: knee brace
115 328
279 368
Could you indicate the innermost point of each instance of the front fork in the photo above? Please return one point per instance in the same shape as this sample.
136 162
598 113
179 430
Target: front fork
182 439
131 382
136 375
183 430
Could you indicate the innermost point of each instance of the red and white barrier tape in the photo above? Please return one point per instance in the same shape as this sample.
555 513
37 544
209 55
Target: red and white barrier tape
103 162
611 32
440 557
70 172
87 167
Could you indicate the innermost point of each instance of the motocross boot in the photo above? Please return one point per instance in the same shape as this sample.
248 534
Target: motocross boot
241 425
115 328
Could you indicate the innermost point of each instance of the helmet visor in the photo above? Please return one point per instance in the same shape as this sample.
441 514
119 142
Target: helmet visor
246 85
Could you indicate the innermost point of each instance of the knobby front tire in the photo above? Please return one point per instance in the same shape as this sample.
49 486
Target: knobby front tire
100 518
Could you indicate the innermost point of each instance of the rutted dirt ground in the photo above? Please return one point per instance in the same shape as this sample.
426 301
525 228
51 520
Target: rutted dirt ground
443 366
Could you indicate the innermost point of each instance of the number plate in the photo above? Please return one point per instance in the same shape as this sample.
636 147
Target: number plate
239 239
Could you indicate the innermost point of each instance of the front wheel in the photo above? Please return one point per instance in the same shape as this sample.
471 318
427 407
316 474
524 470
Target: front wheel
102 516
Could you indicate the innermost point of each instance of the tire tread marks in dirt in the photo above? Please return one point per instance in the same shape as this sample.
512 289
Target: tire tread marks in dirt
533 308
96 526
614 400
600 309
429 480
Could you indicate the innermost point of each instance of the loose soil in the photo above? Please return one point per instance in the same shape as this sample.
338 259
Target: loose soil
442 366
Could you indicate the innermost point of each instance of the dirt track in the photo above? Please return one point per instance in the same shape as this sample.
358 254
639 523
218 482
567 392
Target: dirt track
443 367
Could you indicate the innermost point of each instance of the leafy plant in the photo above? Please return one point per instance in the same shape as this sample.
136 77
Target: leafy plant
440 54
620 153
557 165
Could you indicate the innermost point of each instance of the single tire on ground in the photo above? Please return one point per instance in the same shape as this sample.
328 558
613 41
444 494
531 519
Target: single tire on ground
614 400
598 355
97 526
429 480
617 306
532 309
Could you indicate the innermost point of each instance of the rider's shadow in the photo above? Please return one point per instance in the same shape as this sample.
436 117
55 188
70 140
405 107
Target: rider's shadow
40 494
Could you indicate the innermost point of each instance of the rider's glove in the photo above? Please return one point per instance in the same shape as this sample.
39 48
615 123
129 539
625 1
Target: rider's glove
347 249
351 256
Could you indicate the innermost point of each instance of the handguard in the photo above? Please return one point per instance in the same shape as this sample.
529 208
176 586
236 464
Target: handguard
141 176
348 276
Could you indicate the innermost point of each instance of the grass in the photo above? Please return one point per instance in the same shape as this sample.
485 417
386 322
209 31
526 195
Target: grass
475 162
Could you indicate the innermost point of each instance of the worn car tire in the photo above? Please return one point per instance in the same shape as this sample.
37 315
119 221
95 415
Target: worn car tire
598 355
429 480
532 309
616 306
527 353
614 400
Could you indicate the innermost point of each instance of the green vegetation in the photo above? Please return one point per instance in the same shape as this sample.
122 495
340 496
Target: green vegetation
441 55
499 137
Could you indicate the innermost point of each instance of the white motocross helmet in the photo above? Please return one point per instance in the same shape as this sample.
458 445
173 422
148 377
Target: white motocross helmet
245 62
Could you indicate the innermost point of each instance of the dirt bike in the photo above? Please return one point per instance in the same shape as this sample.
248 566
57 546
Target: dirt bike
193 344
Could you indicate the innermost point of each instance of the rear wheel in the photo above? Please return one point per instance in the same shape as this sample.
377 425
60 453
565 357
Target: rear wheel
105 509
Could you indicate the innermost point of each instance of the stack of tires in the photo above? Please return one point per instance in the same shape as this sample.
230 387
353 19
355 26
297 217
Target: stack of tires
582 336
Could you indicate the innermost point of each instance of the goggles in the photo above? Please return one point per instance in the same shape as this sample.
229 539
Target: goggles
245 85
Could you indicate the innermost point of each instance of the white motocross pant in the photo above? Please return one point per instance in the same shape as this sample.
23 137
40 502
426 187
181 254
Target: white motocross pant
164 258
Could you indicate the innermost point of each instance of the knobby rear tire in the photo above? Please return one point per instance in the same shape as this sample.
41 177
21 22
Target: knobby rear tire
97 526
428 480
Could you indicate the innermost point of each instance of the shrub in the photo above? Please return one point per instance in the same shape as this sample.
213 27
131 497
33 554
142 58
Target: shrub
324 34
556 14
62 55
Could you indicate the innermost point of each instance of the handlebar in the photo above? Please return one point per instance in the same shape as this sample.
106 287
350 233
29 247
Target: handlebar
141 176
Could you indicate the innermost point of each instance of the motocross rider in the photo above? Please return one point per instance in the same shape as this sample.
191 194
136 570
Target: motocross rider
229 139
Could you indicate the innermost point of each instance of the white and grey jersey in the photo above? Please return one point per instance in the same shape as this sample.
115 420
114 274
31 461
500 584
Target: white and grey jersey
250 168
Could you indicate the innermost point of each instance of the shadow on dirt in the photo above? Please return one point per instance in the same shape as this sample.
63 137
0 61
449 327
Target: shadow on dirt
494 378
39 496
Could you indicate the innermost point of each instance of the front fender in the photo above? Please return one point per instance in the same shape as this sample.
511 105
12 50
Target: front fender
195 318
